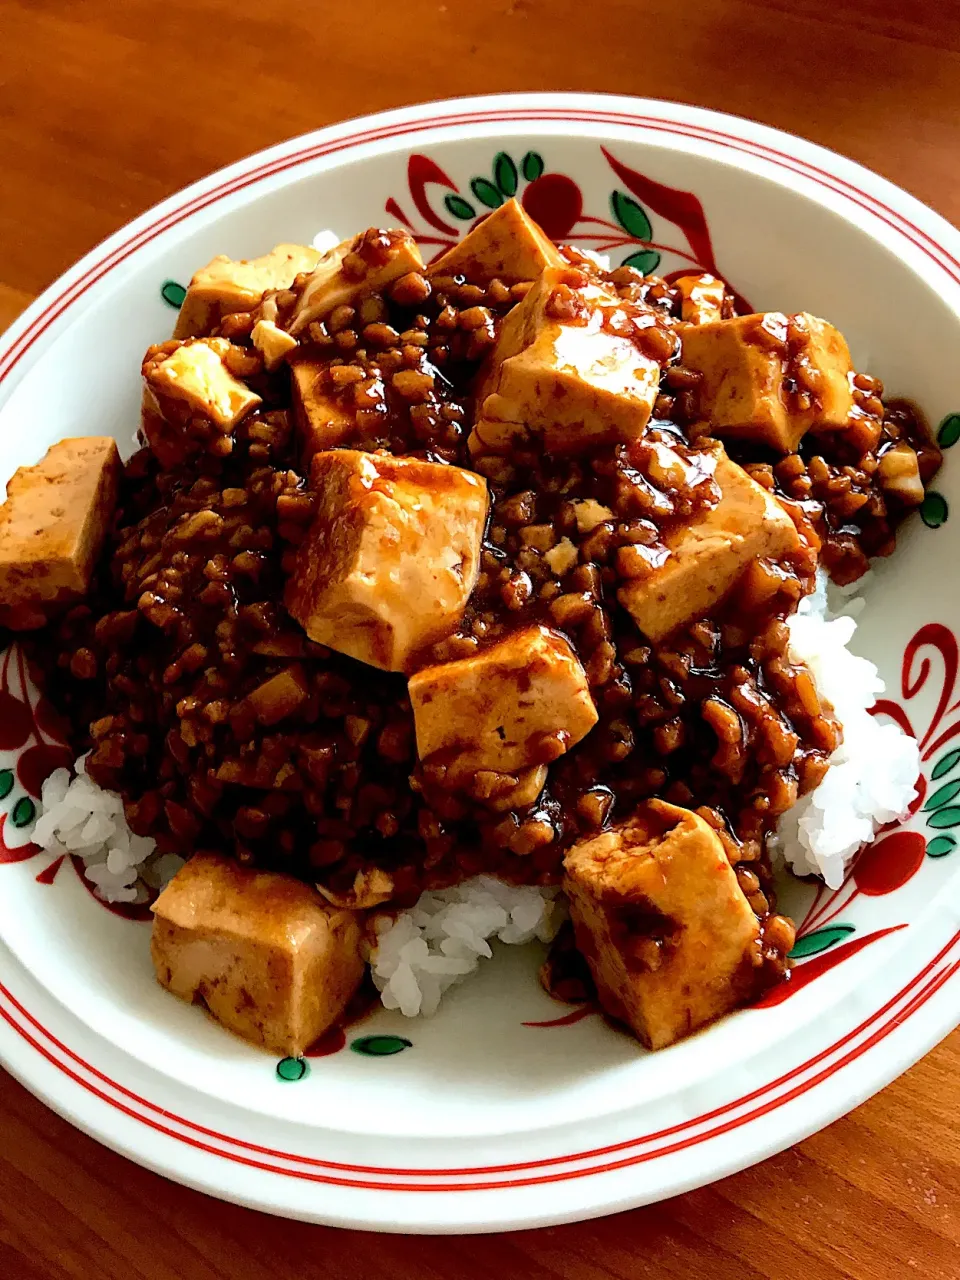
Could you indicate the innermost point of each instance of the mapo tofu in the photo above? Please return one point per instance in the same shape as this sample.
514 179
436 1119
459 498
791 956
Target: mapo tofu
703 559
507 245
365 264
484 567
53 525
770 378
669 936
388 564
189 385
575 366
225 287
268 956
516 704
321 421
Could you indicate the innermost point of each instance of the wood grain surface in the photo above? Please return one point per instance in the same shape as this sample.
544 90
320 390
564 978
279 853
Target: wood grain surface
107 106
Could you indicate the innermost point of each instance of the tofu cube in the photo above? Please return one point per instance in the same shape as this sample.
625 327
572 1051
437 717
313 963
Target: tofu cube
391 557
568 370
521 702
321 422
195 375
269 958
701 298
657 912
507 245
708 555
189 380
365 264
272 342
224 286
52 528
749 367
279 696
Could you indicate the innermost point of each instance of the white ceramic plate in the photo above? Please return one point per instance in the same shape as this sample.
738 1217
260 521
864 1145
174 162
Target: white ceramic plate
480 1119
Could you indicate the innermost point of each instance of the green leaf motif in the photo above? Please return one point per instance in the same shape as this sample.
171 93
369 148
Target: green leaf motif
6 783
940 846
380 1046
290 1070
532 166
949 817
647 260
24 812
172 293
505 174
486 193
943 795
811 944
946 763
631 216
460 208
949 431
933 509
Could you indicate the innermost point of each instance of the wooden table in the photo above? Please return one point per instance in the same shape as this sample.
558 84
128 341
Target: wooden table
107 106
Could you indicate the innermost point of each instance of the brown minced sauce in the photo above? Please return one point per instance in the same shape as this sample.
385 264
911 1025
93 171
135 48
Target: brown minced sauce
186 620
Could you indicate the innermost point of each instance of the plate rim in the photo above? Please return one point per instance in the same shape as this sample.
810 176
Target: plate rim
565 109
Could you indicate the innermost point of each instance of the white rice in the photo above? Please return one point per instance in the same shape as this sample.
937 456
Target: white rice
78 817
873 772
422 952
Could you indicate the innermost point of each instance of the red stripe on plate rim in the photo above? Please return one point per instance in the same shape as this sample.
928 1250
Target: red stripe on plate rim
932 982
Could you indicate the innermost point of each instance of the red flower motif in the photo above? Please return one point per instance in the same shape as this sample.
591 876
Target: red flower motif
420 171
555 201
16 724
37 763
889 863
682 208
